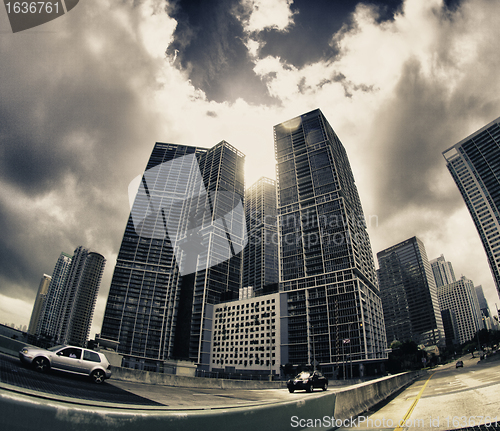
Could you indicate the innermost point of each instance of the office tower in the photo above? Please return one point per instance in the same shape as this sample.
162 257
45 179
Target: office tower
483 304
442 271
39 302
79 296
52 307
260 256
326 267
409 294
474 165
450 326
181 251
461 298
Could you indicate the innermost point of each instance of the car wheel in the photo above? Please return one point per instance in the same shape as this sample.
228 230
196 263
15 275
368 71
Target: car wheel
291 390
309 388
325 386
41 365
97 376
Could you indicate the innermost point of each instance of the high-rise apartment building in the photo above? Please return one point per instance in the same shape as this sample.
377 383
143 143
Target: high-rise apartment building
41 295
52 307
181 251
442 271
460 297
80 295
326 264
475 167
260 256
409 294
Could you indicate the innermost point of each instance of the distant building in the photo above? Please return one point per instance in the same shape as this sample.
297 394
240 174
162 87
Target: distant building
473 164
327 273
52 308
483 304
409 294
246 336
39 302
260 256
460 297
442 271
80 296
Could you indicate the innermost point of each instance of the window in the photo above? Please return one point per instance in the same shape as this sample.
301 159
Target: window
91 356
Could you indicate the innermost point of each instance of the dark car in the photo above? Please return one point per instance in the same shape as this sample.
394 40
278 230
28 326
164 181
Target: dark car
307 380
459 364
69 359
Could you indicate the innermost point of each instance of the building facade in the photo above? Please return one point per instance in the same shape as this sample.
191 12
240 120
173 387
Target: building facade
41 296
246 336
460 297
180 252
260 256
483 303
80 296
473 164
52 307
442 271
409 294
326 267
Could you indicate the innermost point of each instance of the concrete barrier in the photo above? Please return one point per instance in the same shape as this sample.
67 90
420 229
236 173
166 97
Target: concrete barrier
130 375
353 401
10 346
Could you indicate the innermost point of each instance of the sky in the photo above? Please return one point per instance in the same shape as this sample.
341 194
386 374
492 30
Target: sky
84 98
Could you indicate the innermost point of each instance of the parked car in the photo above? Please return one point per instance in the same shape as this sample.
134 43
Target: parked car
69 359
308 381
459 364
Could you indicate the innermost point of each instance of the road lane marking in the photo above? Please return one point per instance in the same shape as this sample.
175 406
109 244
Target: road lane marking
413 405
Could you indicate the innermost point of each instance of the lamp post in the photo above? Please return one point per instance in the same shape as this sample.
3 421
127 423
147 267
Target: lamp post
314 350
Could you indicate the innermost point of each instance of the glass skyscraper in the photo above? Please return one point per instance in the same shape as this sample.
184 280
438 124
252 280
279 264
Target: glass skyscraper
474 164
260 256
181 251
333 313
409 294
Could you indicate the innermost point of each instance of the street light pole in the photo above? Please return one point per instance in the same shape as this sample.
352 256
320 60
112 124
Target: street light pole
314 350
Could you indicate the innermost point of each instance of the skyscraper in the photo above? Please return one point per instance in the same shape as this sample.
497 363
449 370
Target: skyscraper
460 297
41 295
333 311
442 271
260 256
181 251
52 307
483 304
409 294
80 295
474 164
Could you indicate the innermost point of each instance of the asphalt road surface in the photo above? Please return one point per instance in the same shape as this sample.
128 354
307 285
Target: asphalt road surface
448 398
13 373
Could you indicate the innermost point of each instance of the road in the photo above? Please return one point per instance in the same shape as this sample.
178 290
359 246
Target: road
136 394
448 398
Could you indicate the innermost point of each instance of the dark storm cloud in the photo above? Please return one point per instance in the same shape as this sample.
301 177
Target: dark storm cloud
209 44
74 124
